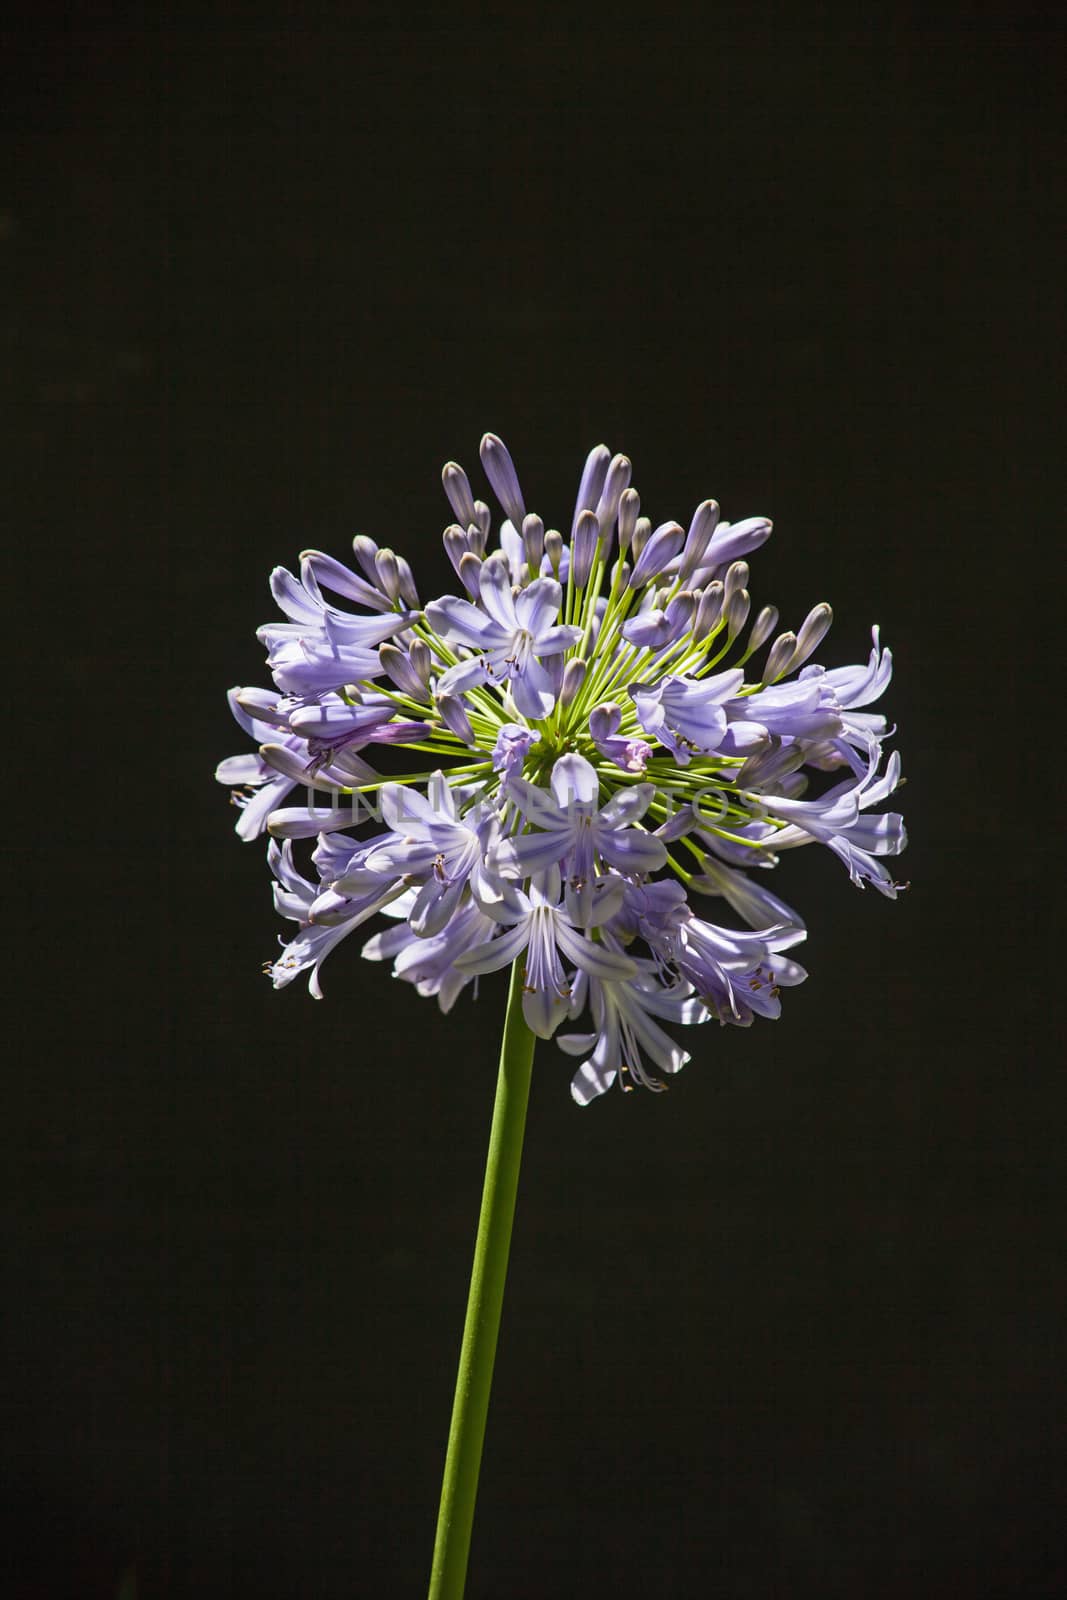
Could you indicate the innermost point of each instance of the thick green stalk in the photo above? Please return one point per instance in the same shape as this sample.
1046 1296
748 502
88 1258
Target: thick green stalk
460 1486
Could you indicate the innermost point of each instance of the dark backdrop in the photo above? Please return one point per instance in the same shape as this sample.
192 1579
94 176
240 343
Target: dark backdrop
794 1328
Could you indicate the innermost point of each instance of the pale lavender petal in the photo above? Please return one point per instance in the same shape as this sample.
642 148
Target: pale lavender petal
496 593
574 782
333 575
464 675
529 853
594 959
627 806
496 953
555 640
630 850
533 691
537 607
458 619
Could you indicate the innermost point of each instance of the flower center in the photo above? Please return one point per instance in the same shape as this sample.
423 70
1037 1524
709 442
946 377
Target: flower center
521 649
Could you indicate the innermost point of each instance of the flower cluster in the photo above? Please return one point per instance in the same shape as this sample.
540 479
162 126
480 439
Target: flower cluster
596 755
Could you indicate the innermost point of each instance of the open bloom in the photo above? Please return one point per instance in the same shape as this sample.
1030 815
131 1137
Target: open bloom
599 738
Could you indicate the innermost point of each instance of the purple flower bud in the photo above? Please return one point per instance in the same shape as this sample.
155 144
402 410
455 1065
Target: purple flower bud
457 488
366 550
705 518
583 547
709 610
533 538
734 539
661 548
470 574
762 628
456 546
554 668
592 482
408 591
639 537
736 578
397 664
421 659
629 510
780 657
483 521
455 718
573 678
736 610
618 479
813 631
388 573
500 470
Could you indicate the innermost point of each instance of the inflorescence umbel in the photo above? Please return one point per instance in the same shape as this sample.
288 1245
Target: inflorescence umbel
594 750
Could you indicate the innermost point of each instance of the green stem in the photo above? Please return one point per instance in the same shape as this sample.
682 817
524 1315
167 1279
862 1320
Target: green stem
460 1486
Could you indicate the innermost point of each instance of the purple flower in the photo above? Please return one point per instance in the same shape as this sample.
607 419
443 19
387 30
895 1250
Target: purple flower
539 925
576 831
561 786
624 1032
322 925
252 772
836 820
512 745
687 715
435 845
512 633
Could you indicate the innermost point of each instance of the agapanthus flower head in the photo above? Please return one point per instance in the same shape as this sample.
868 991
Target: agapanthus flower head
598 740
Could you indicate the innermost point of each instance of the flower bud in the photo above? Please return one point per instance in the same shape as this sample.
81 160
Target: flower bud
470 574
604 719
500 470
639 537
762 628
736 612
705 519
456 547
592 482
583 547
554 667
454 716
573 678
736 578
813 631
629 509
397 665
709 610
618 479
421 659
408 591
661 548
457 488
780 657
533 537
366 550
385 565
554 549
483 521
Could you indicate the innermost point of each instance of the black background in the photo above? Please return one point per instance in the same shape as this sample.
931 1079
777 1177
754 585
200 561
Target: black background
794 1328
